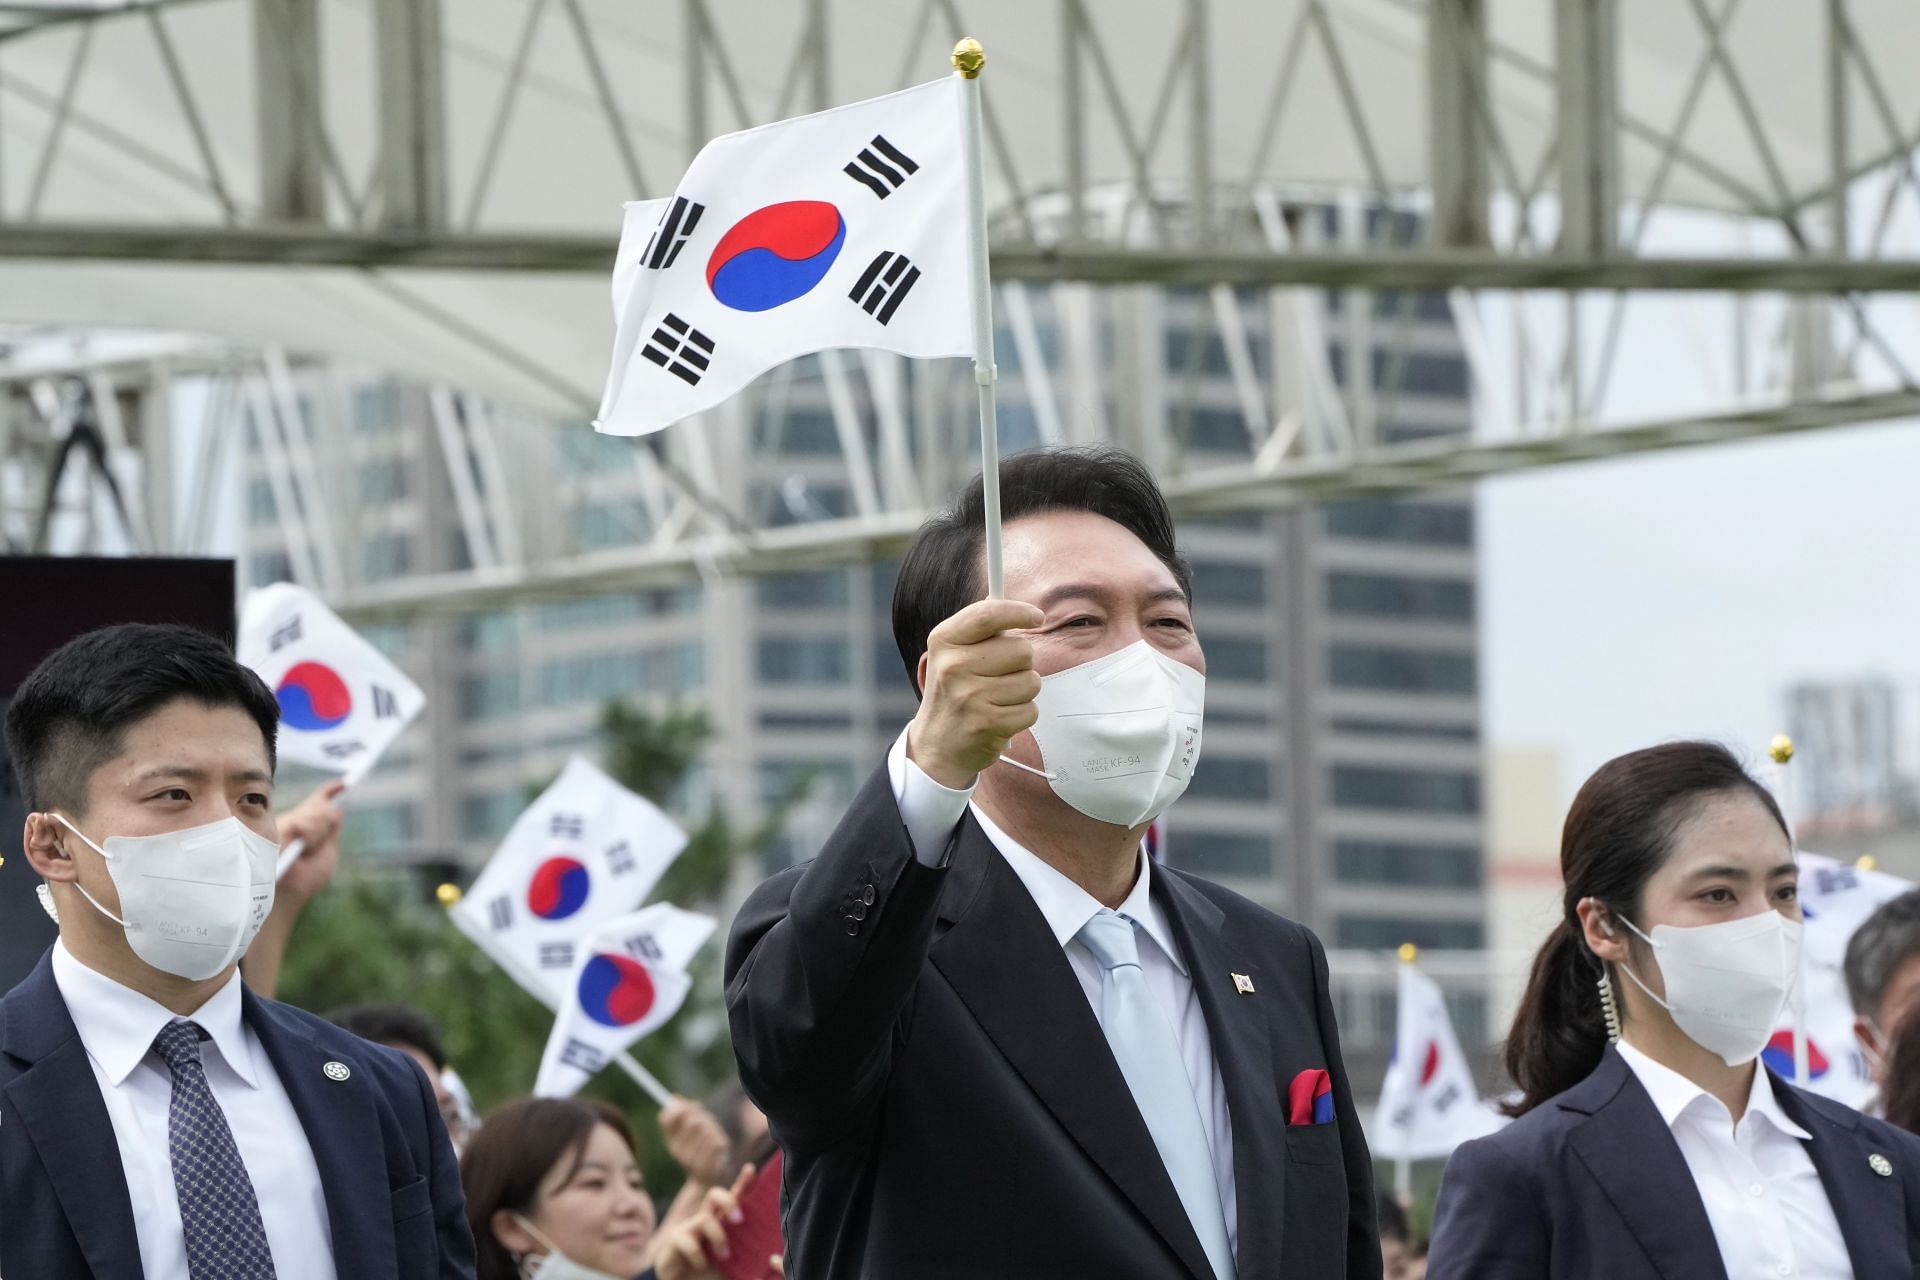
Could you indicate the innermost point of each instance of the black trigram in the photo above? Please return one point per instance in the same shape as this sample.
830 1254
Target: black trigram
680 349
556 955
570 826
881 167
645 948
342 750
620 859
671 236
883 284
500 912
284 634
581 1055
385 705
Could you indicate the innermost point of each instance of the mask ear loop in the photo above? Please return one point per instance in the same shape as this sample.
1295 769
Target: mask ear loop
46 894
1628 969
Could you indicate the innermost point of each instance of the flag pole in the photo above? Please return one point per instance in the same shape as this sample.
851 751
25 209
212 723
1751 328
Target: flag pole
291 851
533 985
1780 751
1403 1165
968 59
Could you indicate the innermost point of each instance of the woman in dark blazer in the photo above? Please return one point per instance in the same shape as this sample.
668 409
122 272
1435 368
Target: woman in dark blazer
1651 1144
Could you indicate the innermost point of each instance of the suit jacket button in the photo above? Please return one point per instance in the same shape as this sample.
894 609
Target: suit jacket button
853 926
867 895
859 911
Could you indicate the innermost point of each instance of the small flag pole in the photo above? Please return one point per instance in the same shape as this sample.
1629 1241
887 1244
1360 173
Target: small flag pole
531 983
290 853
1403 1165
1780 751
968 59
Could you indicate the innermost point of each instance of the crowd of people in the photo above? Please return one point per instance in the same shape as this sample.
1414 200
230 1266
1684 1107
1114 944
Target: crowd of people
990 1036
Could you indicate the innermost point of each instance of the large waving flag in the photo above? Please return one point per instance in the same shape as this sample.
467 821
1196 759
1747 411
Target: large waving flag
1428 1102
843 229
1835 899
629 979
586 852
342 702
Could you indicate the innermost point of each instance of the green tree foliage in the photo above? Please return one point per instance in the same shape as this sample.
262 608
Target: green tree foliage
378 936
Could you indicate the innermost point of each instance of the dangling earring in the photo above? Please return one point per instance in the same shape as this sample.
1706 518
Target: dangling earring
1609 1010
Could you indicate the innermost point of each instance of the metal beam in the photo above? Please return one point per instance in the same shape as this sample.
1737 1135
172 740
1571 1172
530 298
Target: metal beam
286 56
1457 159
413 126
1587 48
1384 269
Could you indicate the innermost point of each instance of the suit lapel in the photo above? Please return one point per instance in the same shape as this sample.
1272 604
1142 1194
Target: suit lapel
1242 1048
1002 960
1633 1156
1865 1204
56 1099
342 1124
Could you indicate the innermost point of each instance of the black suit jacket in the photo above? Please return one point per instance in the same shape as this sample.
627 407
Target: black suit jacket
1592 1184
387 1167
949 1106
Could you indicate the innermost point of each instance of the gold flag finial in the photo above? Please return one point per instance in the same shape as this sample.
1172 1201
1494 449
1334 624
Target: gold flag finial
1867 862
969 57
1780 750
449 894
1408 953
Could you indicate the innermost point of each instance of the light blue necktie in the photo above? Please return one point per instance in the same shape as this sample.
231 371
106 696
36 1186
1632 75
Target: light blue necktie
1149 1056
226 1239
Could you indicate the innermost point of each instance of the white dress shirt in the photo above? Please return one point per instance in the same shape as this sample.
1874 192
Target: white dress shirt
117 1025
1768 1207
931 812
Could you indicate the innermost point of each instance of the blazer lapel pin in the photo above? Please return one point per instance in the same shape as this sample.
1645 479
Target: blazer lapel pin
1243 984
1880 1165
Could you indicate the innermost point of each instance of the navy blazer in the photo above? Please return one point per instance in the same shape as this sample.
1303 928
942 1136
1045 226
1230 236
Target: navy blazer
386 1166
949 1107
1592 1184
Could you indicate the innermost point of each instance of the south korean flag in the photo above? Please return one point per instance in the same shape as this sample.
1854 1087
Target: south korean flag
342 702
841 229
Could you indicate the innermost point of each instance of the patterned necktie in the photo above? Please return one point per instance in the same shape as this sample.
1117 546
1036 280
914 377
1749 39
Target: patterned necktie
226 1239
1143 1044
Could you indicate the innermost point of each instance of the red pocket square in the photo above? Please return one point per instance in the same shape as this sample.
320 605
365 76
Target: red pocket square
1310 1098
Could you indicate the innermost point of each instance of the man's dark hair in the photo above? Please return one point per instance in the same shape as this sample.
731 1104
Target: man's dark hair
943 572
1877 950
70 716
399 1026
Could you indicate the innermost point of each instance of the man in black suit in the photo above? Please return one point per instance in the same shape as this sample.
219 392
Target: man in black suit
991 1036
158 1121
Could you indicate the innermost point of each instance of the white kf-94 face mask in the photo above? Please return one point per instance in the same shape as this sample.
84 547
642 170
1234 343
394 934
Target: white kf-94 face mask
191 901
1727 984
1120 735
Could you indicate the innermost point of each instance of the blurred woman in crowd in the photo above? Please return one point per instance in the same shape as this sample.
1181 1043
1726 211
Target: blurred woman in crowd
554 1193
1650 1143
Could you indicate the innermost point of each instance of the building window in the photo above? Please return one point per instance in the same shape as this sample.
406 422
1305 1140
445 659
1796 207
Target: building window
376 408
812 589
1400 670
382 481
1406 790
618 522
1219 431
1382 933
387 555
805 660
391 638
1232 778
268 567
261 507
804 431
1453 866
487 816
1390 520
1365 728
1232 659
487 632
1220 853
489 695
589 611
593 677
378 828
1228 582
1384 595
587 453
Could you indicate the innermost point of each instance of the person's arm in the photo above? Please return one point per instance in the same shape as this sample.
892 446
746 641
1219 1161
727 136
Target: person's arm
699 1146
822 960
1487 1224
315 820
1363 1233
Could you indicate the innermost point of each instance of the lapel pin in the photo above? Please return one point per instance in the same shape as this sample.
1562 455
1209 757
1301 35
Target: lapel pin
336 1071
1243 984
1880 1165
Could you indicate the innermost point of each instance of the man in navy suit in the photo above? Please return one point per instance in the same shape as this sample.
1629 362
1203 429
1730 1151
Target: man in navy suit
157 1119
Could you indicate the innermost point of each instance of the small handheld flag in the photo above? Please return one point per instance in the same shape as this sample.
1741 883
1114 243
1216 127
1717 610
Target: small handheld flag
628 980
587 851
841 229
1428 1102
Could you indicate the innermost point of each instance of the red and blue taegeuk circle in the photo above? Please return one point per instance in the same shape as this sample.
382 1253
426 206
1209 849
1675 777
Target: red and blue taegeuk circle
775 254
1778 1055
313 696
558 888
616 991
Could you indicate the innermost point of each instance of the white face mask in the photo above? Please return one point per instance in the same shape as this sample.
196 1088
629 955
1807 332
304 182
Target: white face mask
1119 735
554 1265
1727 984
191 900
